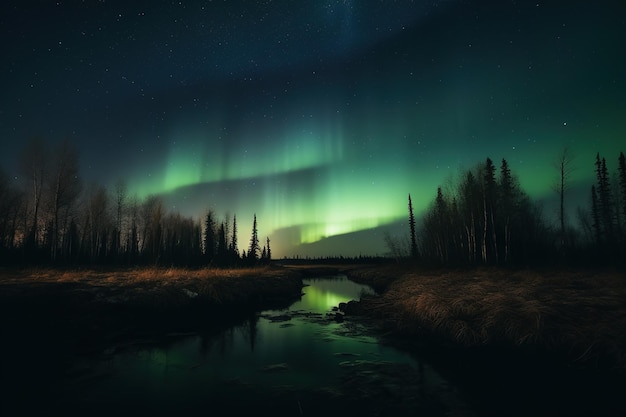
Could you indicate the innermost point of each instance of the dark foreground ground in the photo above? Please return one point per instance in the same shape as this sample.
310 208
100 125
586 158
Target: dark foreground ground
89 305
578 315
500 335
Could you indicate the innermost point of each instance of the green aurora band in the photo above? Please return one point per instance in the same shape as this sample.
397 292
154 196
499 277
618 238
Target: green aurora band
306 187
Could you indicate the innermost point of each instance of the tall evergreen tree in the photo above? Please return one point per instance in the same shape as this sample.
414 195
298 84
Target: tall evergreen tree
414 251
605 201
210 237
222 248
482 225
233 239
622 182
254 249
269 250
595 214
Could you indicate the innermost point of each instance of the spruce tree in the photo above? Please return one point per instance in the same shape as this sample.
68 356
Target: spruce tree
210 240
233 240
605 201
253 251
222 249
414 252
622 182
595 214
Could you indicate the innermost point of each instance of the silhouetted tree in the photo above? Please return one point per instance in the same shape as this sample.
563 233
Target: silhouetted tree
622 182
564 169
506 207
11 202
132 239
222 247
120 205
33 166
253 250
96 223
399 247
605 202
414 251
210 237
595 215
470 201
65 187
486 221
233 241
489 197
152 214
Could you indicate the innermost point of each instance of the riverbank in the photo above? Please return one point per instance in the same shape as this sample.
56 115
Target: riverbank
118 303
579 316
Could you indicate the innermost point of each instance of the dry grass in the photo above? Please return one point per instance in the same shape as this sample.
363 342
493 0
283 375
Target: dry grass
154 286
580 313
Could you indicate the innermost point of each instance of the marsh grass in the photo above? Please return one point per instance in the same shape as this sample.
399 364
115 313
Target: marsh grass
151 287
580 313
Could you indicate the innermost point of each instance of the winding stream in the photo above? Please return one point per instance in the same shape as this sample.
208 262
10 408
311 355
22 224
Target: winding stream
299 361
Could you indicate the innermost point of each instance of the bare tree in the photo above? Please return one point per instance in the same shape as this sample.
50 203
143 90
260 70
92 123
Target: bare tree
120 205
10 206
564 169
399 247
152 217
65 187
96 223
33 166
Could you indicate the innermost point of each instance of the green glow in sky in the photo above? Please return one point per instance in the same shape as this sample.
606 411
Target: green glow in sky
320 133
306 187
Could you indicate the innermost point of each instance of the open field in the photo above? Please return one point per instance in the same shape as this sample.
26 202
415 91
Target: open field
579 314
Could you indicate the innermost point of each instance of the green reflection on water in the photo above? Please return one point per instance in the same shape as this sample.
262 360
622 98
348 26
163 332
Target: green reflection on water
321 295
305 352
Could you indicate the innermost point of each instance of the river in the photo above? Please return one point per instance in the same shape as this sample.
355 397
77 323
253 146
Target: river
299 361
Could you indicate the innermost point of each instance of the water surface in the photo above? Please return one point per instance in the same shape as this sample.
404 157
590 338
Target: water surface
296 361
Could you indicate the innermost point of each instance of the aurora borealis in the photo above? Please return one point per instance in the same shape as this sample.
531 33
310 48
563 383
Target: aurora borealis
318 116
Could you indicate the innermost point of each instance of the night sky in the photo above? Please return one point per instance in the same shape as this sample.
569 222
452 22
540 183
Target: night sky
318 116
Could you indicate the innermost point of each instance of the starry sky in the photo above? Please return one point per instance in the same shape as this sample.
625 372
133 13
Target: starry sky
318 116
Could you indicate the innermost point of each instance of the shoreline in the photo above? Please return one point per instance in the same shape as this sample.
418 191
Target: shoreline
89 308
573 317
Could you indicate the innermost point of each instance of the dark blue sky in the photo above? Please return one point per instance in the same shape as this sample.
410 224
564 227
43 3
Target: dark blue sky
319 116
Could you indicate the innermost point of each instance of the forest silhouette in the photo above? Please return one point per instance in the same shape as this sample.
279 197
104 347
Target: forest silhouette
488 219
51 218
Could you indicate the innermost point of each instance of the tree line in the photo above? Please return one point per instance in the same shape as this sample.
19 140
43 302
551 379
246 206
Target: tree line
50 218
486 218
